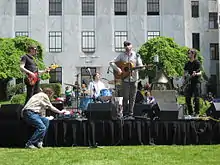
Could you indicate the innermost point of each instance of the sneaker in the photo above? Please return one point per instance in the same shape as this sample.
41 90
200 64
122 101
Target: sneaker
40 145
30 146
129 118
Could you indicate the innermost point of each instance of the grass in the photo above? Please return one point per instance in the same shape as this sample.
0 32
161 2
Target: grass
5 102
117 155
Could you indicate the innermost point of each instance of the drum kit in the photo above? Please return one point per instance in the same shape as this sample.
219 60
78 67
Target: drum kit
83 98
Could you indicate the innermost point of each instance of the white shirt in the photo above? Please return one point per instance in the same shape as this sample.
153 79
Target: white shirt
39 103
95 87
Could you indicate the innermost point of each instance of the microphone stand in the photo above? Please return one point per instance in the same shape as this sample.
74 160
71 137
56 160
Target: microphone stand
77 92
114 80
129 85
92 90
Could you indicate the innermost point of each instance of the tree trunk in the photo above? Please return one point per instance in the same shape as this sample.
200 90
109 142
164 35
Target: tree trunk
3 89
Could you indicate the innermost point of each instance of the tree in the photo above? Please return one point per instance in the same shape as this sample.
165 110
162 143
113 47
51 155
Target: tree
172 56
11 50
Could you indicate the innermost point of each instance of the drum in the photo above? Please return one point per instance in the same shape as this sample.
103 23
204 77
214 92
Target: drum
84 102
105 95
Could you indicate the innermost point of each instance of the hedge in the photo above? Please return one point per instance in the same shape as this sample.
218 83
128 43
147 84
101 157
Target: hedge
55 86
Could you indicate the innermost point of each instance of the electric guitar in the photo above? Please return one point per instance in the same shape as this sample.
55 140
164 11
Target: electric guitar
31 80
127 68
187 81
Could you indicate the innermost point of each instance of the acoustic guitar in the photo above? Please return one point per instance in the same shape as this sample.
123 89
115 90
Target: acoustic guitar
32 80
127 68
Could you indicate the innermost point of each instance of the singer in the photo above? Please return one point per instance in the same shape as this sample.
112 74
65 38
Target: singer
129 84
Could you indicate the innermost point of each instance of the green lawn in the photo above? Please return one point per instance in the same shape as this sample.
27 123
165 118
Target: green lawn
117 155
5 102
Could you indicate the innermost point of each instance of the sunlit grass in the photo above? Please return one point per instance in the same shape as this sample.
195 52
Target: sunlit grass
115 155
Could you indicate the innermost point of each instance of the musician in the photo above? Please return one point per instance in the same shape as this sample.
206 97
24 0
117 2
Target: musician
29 67
192 68
33 113
129 84
68 96
149 99
96 86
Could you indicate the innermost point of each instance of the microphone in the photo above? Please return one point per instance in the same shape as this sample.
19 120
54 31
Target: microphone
108 70
89 70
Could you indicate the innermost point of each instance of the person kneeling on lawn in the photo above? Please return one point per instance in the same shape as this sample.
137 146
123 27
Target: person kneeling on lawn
33 113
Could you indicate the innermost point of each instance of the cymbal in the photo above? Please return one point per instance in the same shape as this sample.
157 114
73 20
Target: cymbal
71 85
86 92
117 81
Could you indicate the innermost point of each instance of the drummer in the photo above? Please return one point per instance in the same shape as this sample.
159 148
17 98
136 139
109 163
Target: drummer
96 86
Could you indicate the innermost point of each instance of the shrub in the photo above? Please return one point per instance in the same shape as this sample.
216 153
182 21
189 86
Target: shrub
18 99
204 105
15 89
55 86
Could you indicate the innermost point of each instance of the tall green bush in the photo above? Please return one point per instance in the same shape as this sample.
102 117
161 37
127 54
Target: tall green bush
18 99
11 50
15 89
55 86
172 56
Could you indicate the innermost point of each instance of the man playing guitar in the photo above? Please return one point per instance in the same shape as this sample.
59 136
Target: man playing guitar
29 67
129 83
192 68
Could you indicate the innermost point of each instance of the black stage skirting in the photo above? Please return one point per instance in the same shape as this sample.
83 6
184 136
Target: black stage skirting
118 132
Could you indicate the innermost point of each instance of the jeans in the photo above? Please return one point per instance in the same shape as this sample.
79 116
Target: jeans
40 123
192 90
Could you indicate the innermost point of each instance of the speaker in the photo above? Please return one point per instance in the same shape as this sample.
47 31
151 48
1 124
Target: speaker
168 111
101 111
58 105
10 111
166 96
142 109
214 110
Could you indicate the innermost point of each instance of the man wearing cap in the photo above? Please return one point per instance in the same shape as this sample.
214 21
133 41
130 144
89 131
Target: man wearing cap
129 84
29 67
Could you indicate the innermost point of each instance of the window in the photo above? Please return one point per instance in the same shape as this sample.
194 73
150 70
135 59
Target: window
85 75
120 7
196 41
120 37
55 41
21 33
88 7
21 7
213 24
195 9
153 7
152 34
214 51
55 7
56 75
88 41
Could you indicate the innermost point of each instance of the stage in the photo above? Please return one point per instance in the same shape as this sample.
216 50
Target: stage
67 133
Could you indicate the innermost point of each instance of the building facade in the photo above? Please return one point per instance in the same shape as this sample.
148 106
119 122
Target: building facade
81 34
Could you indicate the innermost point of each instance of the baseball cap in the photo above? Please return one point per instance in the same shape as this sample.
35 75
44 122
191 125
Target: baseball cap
127 43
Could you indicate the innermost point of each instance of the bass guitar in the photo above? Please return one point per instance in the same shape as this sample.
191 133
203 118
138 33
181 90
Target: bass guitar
32 80
186 83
